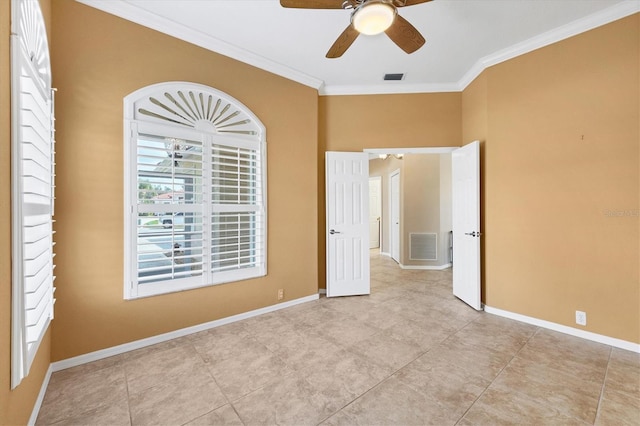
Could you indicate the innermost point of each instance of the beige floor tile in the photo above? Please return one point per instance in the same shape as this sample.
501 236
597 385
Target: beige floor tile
392 403
116 414
177 401
219 346
473 357
290 401
157 367
497 333
452 389
386 350
247 372
71 396
300 350
222 416
623 372
346 332
343 376
500 407
318 315
568 353
618 408
425 334
557 390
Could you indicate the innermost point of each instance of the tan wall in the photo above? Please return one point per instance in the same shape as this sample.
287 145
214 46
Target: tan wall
424 205
98 59
15 406
354 123
562 151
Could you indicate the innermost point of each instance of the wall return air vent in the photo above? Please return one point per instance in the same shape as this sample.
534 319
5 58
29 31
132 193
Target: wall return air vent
423 246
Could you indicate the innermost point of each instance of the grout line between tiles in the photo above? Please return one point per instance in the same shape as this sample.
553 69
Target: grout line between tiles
604 383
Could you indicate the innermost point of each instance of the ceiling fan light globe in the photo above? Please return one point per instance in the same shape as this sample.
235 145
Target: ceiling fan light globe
373 18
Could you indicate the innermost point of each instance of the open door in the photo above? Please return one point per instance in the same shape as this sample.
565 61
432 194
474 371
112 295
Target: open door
394 196
466 223
347 232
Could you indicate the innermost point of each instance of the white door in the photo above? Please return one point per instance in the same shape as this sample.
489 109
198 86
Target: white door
466 223
375 211
395 216
347 200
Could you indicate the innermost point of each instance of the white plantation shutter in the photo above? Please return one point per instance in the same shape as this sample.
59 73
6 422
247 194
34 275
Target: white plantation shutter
236 217
32 186
195 179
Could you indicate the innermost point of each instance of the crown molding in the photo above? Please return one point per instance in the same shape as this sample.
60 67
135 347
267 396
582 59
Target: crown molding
147 19
611 14
125 10
387 88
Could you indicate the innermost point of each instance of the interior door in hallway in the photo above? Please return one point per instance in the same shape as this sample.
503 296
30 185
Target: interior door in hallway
466 224
347 230
395 215
375 210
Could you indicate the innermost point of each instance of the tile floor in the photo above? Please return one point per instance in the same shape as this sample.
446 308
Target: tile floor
408 354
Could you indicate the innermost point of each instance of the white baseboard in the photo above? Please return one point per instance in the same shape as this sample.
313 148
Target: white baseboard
322 291
120 349
430 268
40 399
611 341
382 253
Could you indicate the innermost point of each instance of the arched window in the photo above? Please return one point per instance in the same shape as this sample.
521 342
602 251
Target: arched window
195 190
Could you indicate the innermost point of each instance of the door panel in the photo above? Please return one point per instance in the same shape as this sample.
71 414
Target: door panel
347 232
375 211
395 216
466 224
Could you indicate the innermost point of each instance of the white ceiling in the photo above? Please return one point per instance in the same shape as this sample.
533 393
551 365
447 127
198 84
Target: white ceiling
463 37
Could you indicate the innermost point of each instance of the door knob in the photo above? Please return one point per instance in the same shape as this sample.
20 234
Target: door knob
473 234
332 231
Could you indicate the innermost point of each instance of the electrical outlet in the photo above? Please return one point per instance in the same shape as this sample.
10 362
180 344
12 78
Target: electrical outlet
581 318
281 294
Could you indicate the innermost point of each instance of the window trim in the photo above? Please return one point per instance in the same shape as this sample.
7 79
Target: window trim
248 134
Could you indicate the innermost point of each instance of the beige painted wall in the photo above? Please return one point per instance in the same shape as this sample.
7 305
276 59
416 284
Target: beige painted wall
426 206
561 159
15 406
97 60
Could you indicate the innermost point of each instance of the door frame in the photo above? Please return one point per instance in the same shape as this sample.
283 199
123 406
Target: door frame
391 209
379 179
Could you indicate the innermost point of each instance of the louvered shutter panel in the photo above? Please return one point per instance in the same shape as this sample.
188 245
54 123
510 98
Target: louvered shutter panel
33 152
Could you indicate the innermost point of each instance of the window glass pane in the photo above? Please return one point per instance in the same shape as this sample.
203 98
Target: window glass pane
235 240
169 246
169 170
235 175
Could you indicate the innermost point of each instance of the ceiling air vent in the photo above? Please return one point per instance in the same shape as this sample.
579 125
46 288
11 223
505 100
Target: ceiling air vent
393 77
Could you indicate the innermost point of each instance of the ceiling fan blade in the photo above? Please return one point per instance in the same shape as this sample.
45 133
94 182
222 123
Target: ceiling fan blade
312 4
343 42
405 35
405 3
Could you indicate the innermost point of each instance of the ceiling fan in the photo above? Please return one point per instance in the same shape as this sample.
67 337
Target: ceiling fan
368 17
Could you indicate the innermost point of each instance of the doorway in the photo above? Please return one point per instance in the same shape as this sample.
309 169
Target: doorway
375 212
